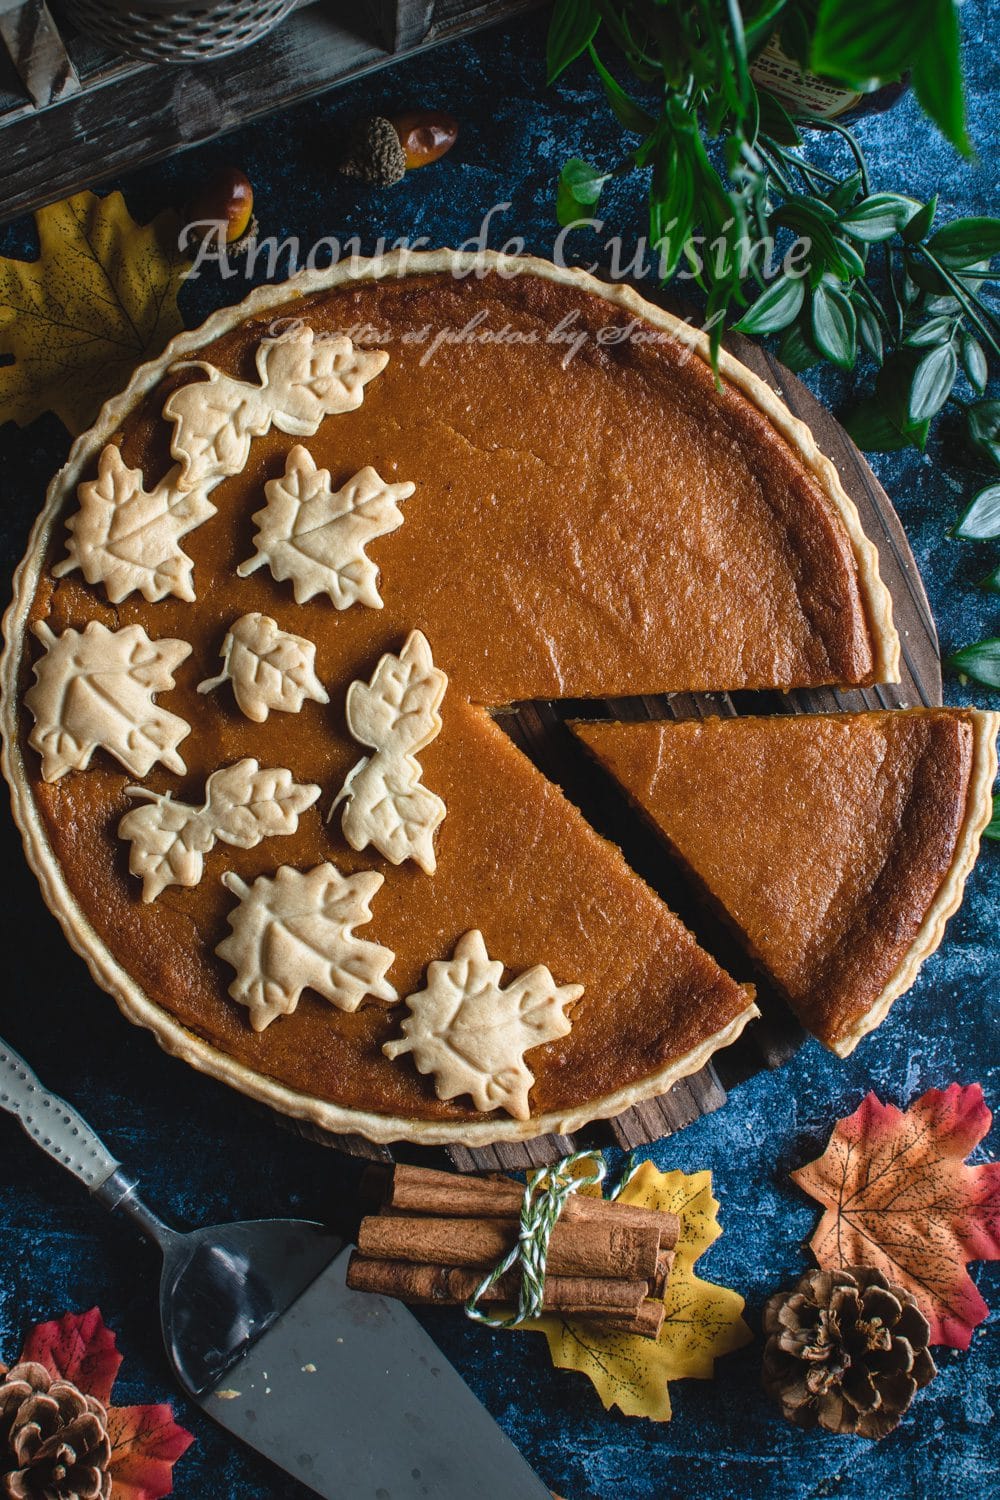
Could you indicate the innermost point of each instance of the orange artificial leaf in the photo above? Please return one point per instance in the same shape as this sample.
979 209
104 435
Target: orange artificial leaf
899 1196
146 1442
703 1321
100 299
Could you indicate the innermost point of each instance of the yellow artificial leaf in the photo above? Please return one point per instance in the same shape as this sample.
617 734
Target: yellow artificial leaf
703 1321
100 299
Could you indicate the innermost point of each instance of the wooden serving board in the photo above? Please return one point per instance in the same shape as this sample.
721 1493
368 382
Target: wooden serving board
540 730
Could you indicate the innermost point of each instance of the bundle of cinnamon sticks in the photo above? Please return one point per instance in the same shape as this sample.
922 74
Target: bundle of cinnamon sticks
436 1234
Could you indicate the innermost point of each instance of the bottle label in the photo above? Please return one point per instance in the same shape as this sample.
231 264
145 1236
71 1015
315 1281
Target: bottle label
799 91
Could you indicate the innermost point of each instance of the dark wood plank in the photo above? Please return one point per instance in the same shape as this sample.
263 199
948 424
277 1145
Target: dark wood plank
37 51
513 1156
351 1145
688 1100
139 113
402 24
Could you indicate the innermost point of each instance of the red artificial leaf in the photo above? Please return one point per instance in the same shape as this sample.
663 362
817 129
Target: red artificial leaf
146 1442
899 1196
79 1347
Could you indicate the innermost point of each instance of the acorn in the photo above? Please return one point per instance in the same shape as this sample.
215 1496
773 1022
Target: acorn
380 150
226 197
425 135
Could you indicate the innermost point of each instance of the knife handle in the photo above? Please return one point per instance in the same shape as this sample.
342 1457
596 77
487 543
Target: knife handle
52 1123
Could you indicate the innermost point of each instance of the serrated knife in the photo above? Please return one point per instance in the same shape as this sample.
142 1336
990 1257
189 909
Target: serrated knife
344 1390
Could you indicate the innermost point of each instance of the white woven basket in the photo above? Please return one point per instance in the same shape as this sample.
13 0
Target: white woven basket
165 31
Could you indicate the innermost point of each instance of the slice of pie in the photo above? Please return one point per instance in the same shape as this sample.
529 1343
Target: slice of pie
253 580
836 845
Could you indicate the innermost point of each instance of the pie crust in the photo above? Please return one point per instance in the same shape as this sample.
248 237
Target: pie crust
804 833
181 1040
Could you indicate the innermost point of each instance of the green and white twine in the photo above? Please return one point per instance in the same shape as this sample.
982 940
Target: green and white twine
546 1192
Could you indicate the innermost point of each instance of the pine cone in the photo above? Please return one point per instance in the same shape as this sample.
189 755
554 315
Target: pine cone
375 153
54 1442
846 1350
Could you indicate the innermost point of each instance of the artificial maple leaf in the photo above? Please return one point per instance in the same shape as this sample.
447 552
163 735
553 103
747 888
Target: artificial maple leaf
294 932
302 380
702 1322
472 1034
146 1442
95 688
899 1197
396 715
78 1347
243 805
128 538
268 668
100 298
316 536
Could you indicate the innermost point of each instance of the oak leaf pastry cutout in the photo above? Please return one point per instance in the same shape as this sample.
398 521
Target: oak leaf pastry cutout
295 931
94 688
302 380
316 536
472 1034
243 805
396 715
128 538
268 668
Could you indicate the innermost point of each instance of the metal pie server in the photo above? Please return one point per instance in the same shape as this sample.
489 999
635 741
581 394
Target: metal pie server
342 1389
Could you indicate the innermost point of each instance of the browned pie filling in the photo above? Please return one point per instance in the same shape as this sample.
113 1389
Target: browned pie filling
824 839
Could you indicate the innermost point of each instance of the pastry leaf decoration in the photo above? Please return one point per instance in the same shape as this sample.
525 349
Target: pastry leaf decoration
268 668
396 715
316 536
95 688
898 1196
295 931
100 298
243 805
472 1033
145 1441
128 538
702 1323
302 380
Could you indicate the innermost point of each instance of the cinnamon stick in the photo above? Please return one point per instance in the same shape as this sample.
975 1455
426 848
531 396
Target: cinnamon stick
609 1249
451 1285
614 1306
664 1266
647 1322
419 1190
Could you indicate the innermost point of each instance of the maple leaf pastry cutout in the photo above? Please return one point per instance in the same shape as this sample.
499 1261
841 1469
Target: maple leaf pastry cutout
396 715
268 668
94 688
899 1197
302 380
472 1033
316 536
128 538
243 805
295 931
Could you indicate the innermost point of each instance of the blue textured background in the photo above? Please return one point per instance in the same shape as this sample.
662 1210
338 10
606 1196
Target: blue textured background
206 1154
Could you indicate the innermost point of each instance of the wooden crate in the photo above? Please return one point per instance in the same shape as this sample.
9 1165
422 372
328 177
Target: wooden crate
72 112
